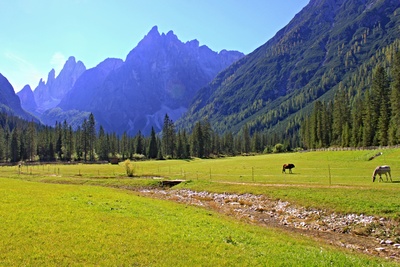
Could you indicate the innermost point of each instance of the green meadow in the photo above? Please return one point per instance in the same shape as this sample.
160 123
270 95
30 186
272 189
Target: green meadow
83 215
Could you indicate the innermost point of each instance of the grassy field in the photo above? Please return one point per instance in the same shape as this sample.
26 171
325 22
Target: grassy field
61 224
70 225
335 180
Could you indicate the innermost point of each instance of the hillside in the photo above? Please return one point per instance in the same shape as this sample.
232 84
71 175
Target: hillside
272 88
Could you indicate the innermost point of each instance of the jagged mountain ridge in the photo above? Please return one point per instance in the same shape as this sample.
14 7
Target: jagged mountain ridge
323 44
48 95
160 75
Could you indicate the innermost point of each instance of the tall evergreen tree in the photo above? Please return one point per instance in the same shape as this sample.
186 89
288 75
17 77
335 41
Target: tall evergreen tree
103 144
379 106
179 148
124 146
207 137
186 145
357 122
31 138
59 143
153 149
368 130
91 135
198 141
394 129
246 139
341 118
15 145
139 143
2 148
168 137
79 148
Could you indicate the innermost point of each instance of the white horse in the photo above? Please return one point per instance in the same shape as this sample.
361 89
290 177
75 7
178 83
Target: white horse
382 170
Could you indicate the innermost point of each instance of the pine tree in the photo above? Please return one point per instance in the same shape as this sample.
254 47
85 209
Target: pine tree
357 122
379 106
79 150
66 141
70 142
15 146
198 141
31 144
2 148
384 110
124 146
368 133
186 145
91 135
139 143
7 142
341 116
179 148
59 141
228 143
153 149
207 137
168 137
103 144
394 129
246 139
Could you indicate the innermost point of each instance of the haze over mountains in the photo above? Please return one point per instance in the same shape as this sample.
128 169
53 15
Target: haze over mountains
159 76
271 89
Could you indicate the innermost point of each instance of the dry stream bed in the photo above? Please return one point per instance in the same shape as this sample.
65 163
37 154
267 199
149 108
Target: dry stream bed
366 234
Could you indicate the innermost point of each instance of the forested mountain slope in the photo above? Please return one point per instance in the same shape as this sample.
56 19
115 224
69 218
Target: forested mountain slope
324 44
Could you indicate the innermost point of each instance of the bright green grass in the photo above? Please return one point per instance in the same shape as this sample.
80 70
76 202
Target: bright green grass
75 225
335 180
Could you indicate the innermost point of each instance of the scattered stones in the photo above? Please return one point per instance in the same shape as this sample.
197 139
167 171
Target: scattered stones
258 208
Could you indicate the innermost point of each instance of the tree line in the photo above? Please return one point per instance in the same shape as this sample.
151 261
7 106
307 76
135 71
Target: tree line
27 141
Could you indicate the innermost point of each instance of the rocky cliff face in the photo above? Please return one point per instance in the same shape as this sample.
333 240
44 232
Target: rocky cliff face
49 94
161 75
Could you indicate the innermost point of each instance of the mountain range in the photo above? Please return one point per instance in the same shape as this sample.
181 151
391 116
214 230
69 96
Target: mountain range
159 76
325 46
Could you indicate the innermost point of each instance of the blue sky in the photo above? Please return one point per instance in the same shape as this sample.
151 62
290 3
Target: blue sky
38 35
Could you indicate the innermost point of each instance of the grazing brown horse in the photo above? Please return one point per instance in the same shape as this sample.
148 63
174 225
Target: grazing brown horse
288 166
382 170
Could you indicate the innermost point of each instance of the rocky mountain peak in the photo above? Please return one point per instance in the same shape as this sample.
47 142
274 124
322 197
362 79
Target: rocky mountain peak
160 75
51 77
27 98
48 94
